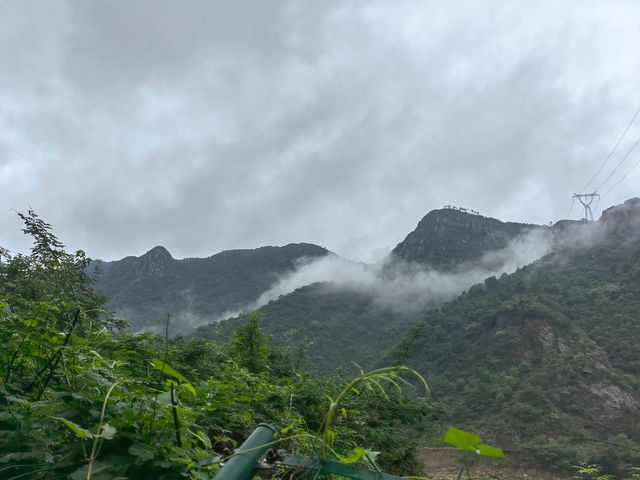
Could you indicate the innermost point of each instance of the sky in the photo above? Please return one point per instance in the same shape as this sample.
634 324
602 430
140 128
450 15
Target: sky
204 126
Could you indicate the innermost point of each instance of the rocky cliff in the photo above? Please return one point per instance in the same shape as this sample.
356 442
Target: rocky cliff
449 237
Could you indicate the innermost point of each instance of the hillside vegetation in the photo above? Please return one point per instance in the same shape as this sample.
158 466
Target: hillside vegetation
193 290
337 322
543 361
546 360
82 399
324 327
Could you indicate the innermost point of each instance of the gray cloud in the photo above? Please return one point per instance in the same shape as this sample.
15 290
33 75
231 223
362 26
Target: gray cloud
205 126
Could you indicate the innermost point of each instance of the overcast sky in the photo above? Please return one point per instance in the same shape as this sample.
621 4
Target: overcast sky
210 125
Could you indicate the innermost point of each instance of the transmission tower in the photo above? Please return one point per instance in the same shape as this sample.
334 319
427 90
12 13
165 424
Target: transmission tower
586 199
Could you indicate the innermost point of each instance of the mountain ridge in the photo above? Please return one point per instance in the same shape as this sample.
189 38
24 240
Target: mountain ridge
447 237
544 360
147 288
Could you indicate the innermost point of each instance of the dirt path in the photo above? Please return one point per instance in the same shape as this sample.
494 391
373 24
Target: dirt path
445 462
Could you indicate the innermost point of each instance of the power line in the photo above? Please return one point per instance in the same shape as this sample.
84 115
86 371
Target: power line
612 150
619 165
625 176
573 199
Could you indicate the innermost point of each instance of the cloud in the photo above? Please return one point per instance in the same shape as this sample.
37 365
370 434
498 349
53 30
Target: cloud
206 126
409 287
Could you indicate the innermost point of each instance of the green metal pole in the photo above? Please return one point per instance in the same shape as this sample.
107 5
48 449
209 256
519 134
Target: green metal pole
245 459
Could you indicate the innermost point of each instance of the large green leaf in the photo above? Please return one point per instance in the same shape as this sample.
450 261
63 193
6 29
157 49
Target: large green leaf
172 372
355 455
488 451
75 428
461 439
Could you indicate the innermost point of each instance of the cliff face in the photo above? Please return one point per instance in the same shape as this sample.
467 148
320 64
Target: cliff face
623 219
446 238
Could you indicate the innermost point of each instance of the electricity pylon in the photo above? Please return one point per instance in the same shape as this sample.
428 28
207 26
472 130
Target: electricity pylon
586 199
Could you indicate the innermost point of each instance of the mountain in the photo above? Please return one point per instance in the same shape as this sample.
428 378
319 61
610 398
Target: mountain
355 319
331 326
545 361
194 290
449 237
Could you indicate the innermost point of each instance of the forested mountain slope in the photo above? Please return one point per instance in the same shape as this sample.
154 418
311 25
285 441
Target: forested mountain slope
324 326
340 322
194 290
546 360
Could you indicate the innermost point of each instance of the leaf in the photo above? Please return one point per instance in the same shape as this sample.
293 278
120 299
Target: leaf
108 432
330 434
488 451
372 455
167 369
471 442
14 398
143 452
461 439
172 372
187 386
203 437
344 412
245 416
355 455
75 428
164 399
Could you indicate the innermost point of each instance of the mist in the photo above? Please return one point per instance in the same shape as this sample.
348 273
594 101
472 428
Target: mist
408 287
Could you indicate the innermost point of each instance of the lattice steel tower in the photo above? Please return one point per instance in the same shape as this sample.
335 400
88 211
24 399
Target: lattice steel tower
586 199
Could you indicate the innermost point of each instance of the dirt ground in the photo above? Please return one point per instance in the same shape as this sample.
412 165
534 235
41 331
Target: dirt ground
445 462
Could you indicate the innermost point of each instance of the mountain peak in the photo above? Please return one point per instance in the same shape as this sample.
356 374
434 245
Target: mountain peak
155 262
158 252
451 236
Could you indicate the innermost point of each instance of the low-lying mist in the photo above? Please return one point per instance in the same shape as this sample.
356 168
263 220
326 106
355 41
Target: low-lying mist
408 287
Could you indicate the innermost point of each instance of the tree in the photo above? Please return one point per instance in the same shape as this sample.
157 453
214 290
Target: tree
249 344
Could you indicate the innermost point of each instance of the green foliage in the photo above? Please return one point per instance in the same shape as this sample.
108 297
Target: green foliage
168 370
470 442
82 399
367 380
329 327
249 344
544 358
145 288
